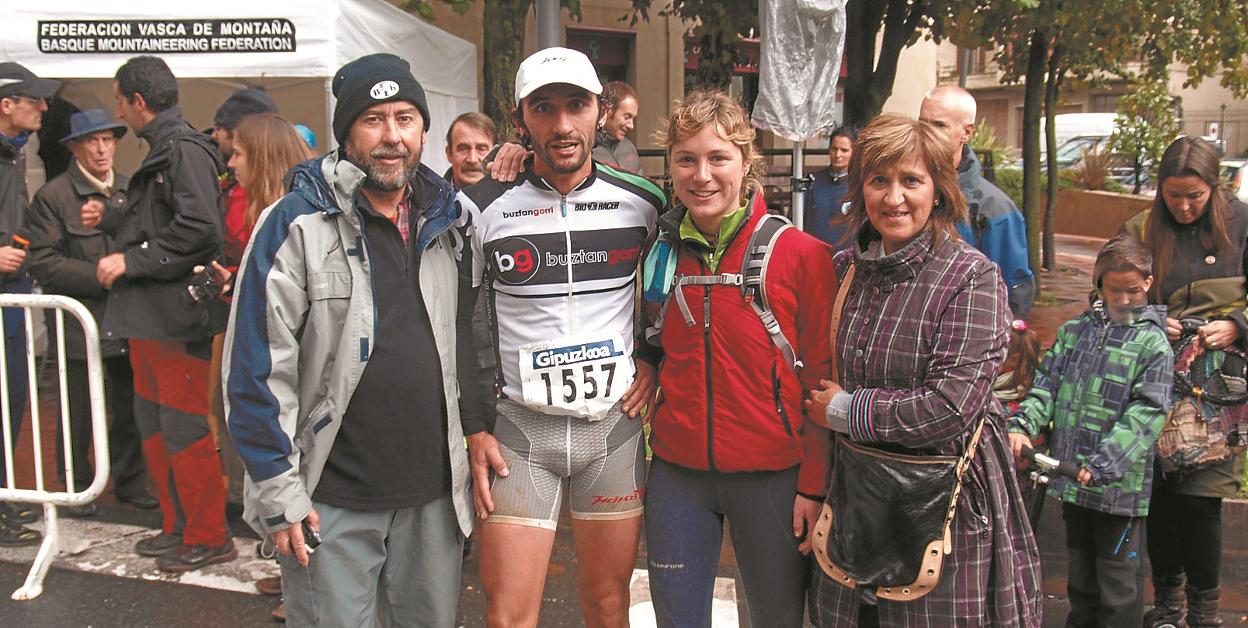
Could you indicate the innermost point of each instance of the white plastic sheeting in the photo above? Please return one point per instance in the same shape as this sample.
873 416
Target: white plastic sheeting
326 35
802 42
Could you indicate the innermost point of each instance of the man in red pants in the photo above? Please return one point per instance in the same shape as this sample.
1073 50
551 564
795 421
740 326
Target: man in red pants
170 224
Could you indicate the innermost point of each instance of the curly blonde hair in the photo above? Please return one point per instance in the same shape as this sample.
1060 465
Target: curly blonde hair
702 107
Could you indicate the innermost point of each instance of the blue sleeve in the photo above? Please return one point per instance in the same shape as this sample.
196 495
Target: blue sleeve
1004 241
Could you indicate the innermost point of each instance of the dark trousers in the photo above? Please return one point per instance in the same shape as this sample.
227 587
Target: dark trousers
685 512
125 452
1105 582
15 365
171 410
1184 534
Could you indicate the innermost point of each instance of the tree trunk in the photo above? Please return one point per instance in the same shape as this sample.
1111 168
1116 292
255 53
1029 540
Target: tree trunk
717 58
503 31
1033 101
1052 92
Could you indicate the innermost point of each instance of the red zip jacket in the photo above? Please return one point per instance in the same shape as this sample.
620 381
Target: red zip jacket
741 408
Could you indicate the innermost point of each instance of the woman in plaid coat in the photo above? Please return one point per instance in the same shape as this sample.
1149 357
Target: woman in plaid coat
922 334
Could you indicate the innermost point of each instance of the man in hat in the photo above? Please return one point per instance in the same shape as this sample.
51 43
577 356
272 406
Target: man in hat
170 223
563 325
340 372
63 256
23 100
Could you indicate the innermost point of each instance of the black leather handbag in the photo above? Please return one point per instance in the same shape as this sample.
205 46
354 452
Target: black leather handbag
887 520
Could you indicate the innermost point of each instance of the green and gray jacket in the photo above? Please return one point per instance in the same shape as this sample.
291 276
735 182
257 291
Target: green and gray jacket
1105 388
302 327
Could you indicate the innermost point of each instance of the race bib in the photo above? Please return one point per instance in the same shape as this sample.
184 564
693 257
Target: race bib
581 375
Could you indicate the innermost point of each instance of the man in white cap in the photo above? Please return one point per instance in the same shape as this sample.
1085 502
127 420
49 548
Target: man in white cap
557 252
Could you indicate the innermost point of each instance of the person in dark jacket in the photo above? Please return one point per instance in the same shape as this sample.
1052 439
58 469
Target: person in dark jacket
993 225
63 255
825 200
611 144
23 101
170 223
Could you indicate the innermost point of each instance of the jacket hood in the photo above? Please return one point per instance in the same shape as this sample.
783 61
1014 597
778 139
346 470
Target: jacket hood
1150 315
970 166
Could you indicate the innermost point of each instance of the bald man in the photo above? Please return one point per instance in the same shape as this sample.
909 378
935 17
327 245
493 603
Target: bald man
995 225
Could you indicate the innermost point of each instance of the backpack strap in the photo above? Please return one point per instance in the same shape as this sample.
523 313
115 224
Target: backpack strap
754 283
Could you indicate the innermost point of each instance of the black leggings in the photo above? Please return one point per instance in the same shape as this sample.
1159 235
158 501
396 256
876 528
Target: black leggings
1184 534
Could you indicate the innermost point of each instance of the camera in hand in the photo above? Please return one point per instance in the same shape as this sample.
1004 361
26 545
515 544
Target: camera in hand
204 285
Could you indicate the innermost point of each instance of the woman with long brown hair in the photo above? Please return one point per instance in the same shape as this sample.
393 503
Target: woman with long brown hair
1198 236
266 147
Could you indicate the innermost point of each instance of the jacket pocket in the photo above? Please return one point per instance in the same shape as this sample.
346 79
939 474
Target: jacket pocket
778 396
84 242
321 416
331 285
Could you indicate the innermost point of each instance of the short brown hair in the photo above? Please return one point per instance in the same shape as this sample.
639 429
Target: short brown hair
704 107
615 91
1123 253
476 120
891 139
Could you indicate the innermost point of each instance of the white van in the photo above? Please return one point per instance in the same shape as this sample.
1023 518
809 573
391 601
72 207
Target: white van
1071 125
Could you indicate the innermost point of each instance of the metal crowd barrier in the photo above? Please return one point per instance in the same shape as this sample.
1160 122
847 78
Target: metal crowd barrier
40 494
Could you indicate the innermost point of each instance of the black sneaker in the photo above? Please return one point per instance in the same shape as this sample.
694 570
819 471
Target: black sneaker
189 557
142 500
158 545
80 512
21 514
13 534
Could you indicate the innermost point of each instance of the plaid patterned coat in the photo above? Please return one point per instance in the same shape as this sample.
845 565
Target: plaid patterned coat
921 337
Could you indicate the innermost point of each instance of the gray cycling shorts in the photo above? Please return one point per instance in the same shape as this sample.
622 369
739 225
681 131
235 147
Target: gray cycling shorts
603 462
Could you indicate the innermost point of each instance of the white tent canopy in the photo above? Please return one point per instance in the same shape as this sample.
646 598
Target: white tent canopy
282 39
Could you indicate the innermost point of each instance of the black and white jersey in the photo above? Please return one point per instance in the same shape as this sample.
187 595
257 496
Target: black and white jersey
560 275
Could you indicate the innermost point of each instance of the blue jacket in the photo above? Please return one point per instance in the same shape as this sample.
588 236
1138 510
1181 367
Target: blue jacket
998 230
823 204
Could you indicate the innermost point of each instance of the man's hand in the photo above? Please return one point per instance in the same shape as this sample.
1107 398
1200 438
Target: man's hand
483 456
508 162
110 268
1085 477
818 400
92 212
291 541
636 400
222 275
1017 442
11 258
1218 334
805 514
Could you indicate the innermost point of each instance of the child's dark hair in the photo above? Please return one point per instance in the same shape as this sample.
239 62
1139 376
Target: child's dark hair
1023 355
1123 253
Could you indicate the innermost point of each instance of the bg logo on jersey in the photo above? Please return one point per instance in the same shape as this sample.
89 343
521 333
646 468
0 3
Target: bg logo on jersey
516 261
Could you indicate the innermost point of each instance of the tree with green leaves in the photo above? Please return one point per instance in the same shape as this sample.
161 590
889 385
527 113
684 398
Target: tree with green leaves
720 25
1145 127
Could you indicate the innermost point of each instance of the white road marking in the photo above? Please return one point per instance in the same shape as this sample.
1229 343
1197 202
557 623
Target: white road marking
641 612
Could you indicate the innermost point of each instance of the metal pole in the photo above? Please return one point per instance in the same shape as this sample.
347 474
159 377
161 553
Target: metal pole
964 66
799 191
547 23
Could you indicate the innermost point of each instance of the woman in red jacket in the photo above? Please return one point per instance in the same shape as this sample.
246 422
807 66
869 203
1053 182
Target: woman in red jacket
729 437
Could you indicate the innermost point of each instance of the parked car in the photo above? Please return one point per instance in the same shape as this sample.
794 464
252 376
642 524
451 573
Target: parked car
1235 172
1070 155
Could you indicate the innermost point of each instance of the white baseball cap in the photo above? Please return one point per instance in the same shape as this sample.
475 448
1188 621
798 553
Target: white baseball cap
556 65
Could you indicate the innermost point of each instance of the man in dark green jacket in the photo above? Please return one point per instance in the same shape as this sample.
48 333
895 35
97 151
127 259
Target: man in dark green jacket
171 223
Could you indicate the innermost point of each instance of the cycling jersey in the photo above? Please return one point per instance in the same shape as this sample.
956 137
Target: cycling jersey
559 275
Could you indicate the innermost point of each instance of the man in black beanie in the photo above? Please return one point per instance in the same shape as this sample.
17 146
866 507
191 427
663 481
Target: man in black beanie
343 332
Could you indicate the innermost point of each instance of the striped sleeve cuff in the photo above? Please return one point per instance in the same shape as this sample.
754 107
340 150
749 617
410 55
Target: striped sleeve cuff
861 420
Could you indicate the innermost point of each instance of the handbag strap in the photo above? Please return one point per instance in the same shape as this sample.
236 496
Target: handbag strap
964 462
837 307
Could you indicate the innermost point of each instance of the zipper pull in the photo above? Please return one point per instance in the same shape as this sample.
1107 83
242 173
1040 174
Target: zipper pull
563 206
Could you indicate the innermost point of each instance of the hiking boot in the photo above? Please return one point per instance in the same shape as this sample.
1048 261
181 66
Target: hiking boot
141 500
20 514
13 534
189 557
80 512
1202 607
1169 603
158 545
